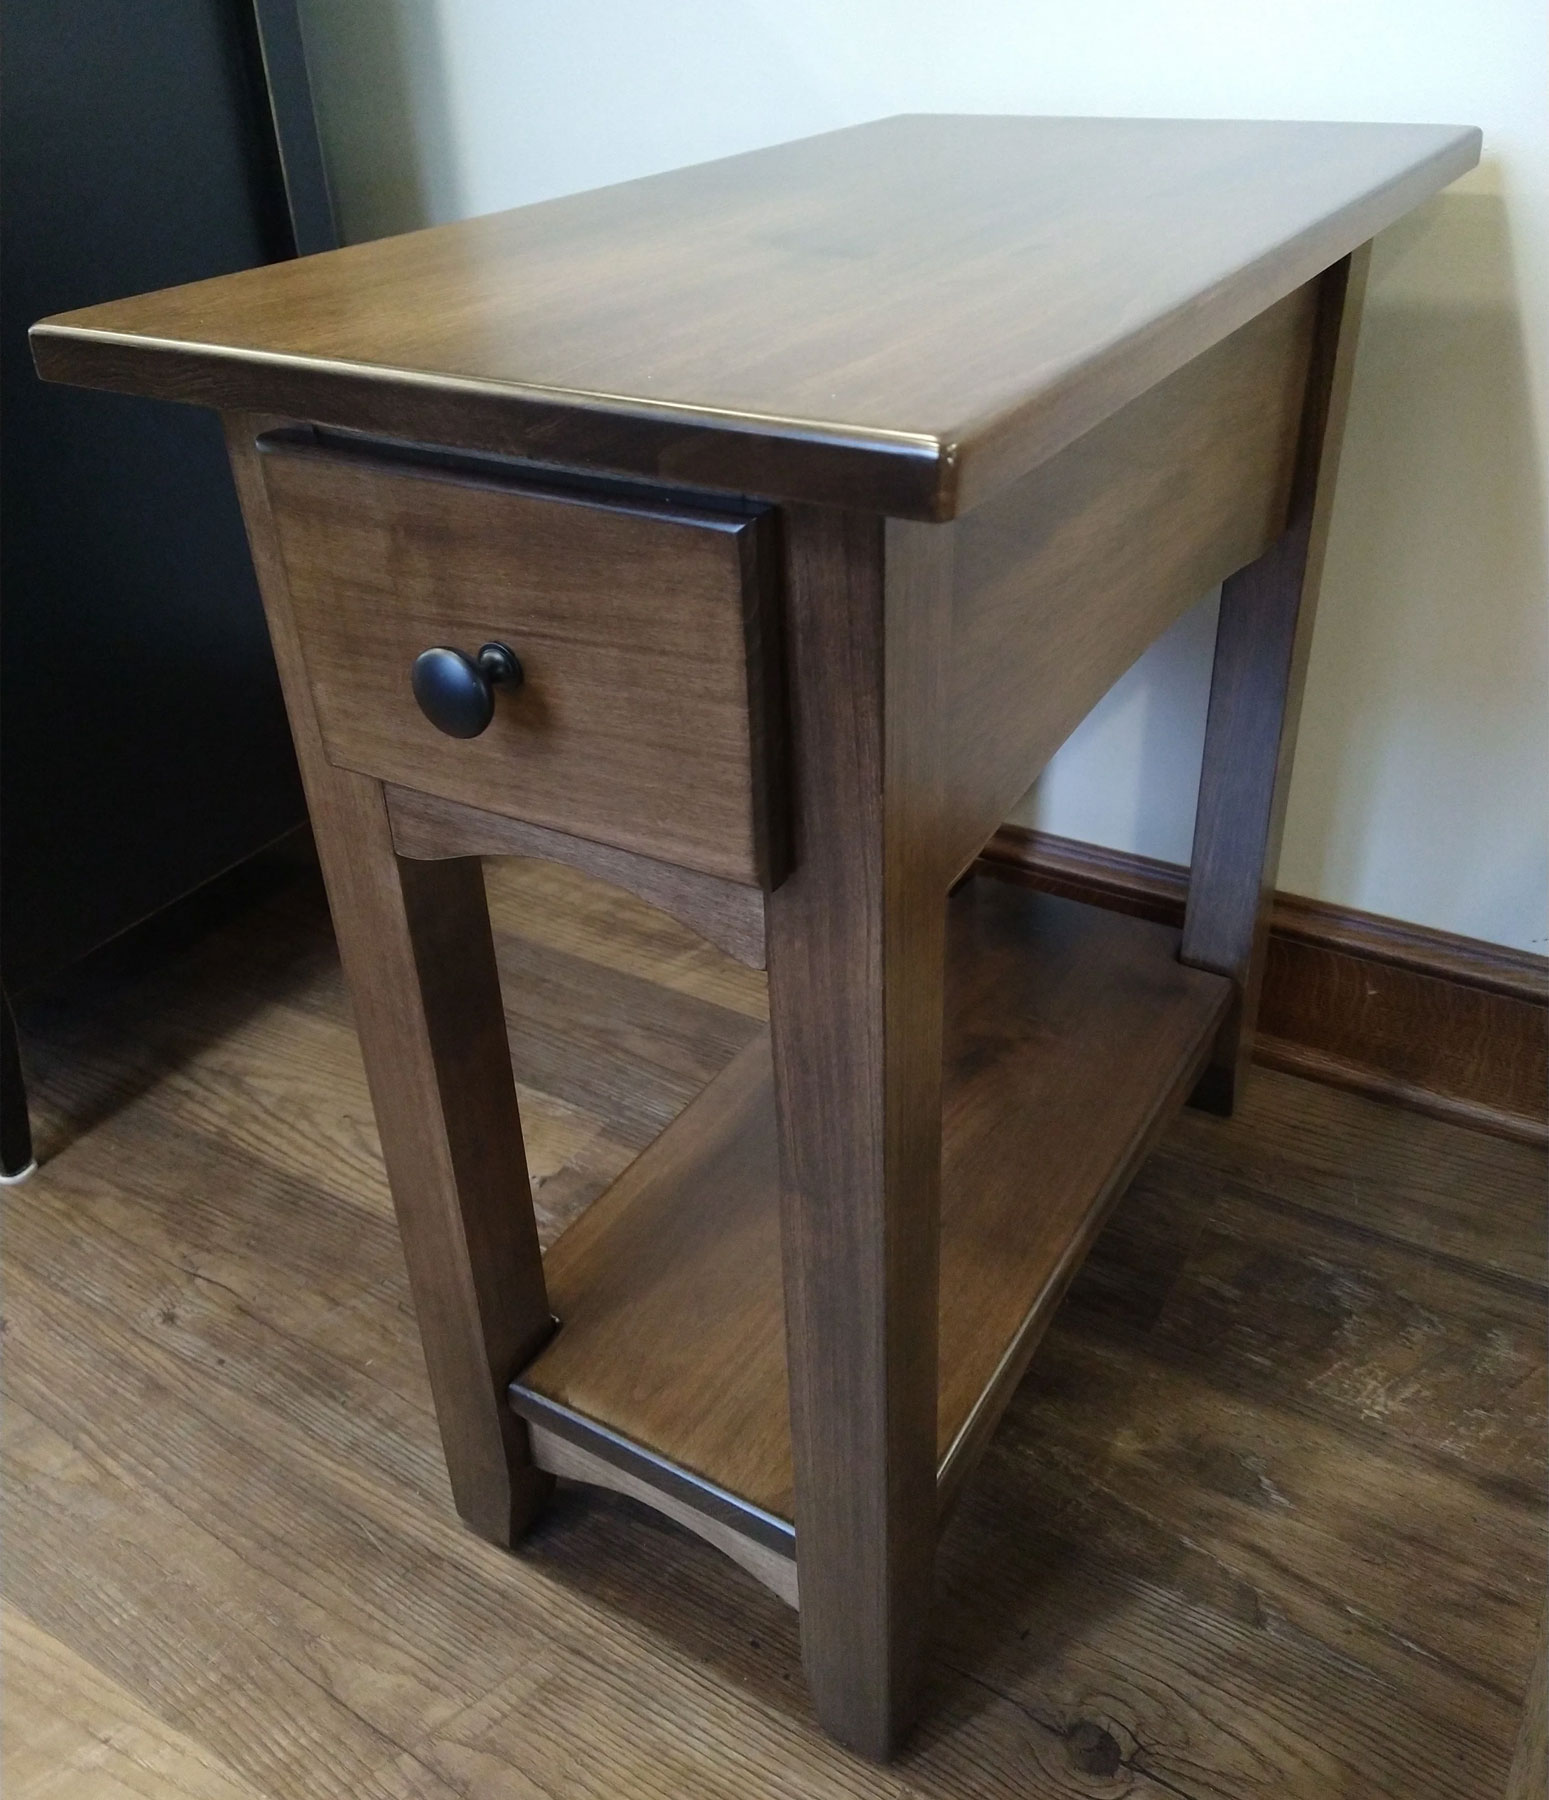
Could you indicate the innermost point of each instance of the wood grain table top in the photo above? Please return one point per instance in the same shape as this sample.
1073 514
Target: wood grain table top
902 315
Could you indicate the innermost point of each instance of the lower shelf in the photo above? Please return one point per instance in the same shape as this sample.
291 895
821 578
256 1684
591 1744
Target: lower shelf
1071 1035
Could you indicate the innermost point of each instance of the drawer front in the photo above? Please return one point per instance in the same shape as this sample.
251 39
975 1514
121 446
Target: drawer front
645 714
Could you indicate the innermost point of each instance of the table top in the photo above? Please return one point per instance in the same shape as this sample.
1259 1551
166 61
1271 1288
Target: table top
902 315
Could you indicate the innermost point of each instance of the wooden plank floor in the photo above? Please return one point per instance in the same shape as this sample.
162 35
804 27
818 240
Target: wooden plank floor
1267 1517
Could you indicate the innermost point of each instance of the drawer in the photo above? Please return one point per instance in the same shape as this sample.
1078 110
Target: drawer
648 710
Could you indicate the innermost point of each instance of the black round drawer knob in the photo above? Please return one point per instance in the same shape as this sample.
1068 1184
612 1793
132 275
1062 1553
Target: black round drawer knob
456 692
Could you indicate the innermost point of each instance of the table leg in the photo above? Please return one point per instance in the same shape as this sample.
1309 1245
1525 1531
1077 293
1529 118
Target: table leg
418 955
856 946
1262 642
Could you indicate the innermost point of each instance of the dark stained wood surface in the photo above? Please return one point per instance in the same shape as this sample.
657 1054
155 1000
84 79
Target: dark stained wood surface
1264 1521
855 944
574 1456
728 913
1073 1036
1062 579
1068 1031
645 715
973 297
901 316
1263 641
672 1315
416 946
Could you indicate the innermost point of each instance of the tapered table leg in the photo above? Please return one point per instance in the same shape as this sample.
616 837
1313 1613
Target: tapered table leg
418 955
856 944
1262 643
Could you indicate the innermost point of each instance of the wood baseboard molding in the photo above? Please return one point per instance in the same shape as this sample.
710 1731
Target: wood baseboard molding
1447 1025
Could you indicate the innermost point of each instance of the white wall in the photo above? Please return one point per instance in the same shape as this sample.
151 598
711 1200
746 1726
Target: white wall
1422 779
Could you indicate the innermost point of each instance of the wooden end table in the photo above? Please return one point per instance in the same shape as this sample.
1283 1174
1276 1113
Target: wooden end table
751 536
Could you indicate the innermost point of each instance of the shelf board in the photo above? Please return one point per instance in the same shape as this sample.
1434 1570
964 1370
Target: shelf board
1071 1035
